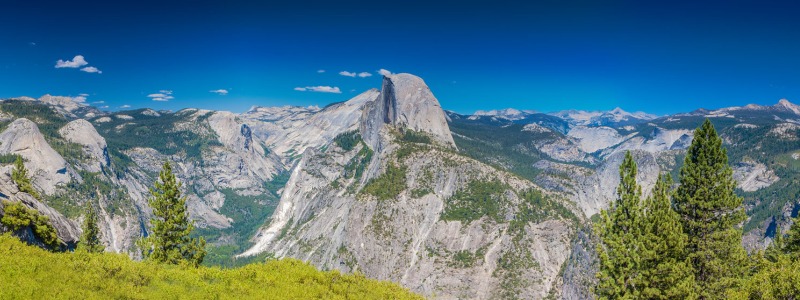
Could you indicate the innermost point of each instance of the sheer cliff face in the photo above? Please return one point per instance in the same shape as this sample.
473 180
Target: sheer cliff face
405 102
384 208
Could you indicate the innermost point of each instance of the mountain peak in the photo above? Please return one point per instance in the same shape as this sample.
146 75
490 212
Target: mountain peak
405 102
785 104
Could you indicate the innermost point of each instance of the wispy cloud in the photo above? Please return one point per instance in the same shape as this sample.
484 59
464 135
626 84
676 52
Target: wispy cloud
76 62
162 95
220 92
354 74
319 89
384 72
125 106
98 102
104 107
320 71
92 70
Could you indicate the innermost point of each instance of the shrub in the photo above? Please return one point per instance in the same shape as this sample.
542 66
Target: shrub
18 217
389 185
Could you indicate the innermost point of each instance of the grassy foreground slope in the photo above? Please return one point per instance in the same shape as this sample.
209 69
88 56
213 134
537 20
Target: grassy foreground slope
29 272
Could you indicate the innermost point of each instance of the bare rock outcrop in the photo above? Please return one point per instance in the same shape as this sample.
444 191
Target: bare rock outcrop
405 102
288 131
68 230
47 167
752 176
83 133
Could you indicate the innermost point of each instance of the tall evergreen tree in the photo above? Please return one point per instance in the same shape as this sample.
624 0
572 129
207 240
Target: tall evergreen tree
778 246
20 176
90 238
792 243
170 240
665 272
620 231
710 213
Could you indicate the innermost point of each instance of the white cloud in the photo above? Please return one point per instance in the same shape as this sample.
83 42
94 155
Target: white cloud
83 95
125 106
162 95
76 62
79 99
98 102
320 71
220 92
348 74
384 72
364 74
319 89
92 70
104 107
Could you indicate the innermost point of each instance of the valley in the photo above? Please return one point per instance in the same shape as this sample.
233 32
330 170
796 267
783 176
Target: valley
388 184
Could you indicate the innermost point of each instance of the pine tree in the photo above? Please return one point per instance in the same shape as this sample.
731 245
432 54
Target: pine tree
170 240
20 176
710 213
90 238
778 246
665 272
620 231
792 243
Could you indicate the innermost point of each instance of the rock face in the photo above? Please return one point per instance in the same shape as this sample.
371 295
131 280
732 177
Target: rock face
47 167
289 131
751 176
405 239
597 190
595 138
252 164
63 104
405 102
328 216
82 132
68 230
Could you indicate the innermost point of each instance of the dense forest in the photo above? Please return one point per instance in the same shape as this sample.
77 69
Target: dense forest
686 243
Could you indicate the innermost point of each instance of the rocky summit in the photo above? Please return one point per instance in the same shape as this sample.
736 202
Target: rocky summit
494 204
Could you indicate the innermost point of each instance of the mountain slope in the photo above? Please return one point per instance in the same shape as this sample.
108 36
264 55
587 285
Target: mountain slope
401 205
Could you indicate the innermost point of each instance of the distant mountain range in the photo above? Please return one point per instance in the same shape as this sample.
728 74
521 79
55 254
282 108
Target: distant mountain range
387 183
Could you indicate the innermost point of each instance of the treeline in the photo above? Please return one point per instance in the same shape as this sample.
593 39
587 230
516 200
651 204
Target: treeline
686 243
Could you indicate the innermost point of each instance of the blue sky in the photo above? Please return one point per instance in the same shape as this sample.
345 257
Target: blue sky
663 57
